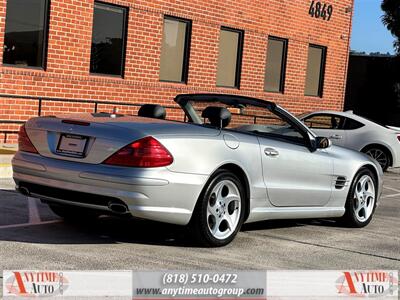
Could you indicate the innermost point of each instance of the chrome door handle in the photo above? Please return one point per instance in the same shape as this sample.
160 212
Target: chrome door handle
271 152
336 137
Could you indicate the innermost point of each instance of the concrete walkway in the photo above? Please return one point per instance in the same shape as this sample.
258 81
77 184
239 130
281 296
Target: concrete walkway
7 152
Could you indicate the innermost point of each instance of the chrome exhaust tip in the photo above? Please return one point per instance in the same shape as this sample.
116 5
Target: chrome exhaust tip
118 208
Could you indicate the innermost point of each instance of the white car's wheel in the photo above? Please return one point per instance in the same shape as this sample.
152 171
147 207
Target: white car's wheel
361 200
380 155
219 213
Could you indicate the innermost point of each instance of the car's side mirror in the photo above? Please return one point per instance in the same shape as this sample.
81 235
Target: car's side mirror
323 142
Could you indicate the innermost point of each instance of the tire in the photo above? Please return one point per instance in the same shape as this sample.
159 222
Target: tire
380 154
72 213
361 200
218 218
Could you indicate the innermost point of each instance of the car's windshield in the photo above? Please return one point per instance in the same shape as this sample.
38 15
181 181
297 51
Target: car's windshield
246 118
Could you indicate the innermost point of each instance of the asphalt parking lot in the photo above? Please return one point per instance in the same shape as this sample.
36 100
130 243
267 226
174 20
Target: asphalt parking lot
31 237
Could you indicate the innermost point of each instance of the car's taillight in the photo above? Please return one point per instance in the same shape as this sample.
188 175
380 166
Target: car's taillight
24 143
144 153
398 137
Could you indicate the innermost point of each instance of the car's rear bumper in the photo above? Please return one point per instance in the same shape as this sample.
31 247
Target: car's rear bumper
395 152
155 193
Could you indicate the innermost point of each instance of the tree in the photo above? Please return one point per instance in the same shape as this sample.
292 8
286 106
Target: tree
391 19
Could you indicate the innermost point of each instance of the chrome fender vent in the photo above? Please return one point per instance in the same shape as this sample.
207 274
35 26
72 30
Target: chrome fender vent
340 182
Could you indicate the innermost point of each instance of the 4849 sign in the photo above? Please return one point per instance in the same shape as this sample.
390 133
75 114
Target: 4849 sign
320 10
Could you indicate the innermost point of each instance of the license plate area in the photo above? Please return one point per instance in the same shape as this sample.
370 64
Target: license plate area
72 145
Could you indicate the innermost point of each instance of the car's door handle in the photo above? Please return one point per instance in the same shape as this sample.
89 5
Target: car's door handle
336 137
271 152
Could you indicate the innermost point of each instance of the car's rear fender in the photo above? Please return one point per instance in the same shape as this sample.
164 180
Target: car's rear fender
205 155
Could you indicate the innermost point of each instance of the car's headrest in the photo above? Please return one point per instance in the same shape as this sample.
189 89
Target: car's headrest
152 111
218 116
335 124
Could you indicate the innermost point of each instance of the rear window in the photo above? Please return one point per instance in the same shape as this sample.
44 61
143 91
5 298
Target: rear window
351 124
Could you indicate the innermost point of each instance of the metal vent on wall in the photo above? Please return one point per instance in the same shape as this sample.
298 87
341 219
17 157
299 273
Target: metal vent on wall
341 182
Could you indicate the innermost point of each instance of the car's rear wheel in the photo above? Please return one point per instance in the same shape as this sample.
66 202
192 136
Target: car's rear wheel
380 154
361 200
220 210
73 213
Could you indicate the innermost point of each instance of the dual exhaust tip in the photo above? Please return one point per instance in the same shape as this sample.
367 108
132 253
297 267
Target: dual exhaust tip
115 207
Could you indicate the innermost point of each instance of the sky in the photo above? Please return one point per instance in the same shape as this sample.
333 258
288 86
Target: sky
369 34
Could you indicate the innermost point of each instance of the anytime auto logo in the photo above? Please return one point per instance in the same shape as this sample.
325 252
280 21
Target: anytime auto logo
35 283
367 283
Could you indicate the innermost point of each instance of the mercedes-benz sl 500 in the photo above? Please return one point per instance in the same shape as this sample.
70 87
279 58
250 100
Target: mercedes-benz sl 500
230 160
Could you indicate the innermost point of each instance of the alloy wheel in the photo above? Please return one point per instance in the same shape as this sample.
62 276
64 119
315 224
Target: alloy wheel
223 209
380 156
364 198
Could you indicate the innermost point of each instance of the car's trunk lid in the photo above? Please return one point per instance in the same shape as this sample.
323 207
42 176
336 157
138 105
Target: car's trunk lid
92 138
395 129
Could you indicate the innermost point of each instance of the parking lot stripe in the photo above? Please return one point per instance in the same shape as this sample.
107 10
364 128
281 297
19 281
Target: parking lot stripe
390 196
34 216
29 224
392 189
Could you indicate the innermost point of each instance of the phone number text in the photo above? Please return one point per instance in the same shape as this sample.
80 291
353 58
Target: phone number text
199 278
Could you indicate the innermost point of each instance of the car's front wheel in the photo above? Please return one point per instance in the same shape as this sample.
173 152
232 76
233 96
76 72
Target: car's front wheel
220 210
361 200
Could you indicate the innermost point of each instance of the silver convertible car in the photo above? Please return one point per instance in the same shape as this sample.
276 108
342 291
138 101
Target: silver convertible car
231 160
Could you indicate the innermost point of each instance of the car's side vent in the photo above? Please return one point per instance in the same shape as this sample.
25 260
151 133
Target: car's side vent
341 182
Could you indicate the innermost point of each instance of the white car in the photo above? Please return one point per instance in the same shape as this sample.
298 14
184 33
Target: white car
351 131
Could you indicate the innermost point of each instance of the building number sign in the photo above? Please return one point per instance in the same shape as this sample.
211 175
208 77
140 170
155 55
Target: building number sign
320 10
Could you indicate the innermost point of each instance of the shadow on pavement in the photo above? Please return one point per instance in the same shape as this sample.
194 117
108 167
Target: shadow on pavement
276 224
106 229
111 230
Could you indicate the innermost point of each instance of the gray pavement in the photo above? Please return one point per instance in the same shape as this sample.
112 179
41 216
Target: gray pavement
32 237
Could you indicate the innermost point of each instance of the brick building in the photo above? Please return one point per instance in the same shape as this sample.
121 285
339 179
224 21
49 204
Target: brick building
293 52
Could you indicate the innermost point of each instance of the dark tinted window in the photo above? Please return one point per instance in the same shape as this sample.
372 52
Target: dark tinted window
324 122
174 62
352 124
276 64
26 33
108 39
229 57
315 70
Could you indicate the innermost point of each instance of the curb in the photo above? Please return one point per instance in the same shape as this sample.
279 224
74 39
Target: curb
4 151
5 171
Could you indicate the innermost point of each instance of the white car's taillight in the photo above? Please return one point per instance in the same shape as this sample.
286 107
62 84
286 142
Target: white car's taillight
144 153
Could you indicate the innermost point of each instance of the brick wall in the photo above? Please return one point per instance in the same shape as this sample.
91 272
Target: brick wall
68 59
